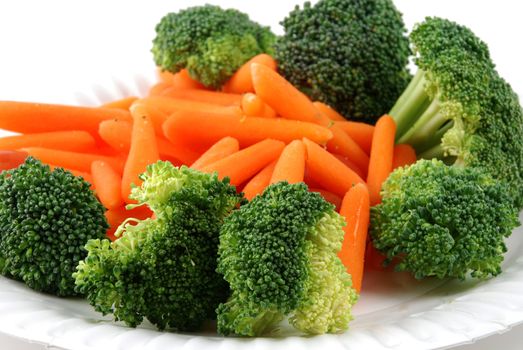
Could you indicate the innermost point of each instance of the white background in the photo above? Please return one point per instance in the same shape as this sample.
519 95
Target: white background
50 49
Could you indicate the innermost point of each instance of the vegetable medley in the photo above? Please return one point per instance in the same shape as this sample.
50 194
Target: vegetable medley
262 175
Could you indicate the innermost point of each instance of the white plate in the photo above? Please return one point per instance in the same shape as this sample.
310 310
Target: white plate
394 311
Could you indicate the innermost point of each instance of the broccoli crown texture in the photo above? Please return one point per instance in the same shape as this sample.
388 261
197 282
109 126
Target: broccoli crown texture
46 217
212 43
279 254
350 54
443 221
163 269
457 108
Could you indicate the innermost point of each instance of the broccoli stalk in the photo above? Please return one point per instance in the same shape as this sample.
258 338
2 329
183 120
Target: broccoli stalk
279 254
458 109
163 269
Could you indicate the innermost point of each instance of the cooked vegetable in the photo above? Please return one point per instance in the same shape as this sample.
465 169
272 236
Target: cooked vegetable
443 221
163 269
210 42
46 218
457 108
352 55
279 254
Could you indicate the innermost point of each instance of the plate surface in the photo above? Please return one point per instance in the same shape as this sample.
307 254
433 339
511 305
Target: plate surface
394 311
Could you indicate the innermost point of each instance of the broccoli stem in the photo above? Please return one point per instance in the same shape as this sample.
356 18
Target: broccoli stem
411 104
435 138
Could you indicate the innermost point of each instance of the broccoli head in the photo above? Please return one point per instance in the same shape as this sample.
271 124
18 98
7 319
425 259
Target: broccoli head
46 218
212 43
443 221
349 54
458 109
163 269
279 254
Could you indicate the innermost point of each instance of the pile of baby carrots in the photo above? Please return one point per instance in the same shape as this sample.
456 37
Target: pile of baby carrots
258 130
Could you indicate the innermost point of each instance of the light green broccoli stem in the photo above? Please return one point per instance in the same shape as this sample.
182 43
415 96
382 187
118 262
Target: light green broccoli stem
410 104
329 296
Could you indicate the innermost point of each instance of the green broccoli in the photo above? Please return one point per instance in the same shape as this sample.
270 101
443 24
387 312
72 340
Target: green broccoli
279 254
458 109
212 43
351 55
46 218
443 221
163 269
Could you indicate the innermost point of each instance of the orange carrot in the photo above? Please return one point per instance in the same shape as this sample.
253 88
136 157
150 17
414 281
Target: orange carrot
328 111
361 133
381 153
241 81
282 96
253 106
72 160
143 150
328 171
158 89
259 182
63 140
206 129
221 149
108 184
213 97
350 164
404 154
180 80
123 103
28 117
117 216
329 197
11 159
290 166
356 210
343 144
244 164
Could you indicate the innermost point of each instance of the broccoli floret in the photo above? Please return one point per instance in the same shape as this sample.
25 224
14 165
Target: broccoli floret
46 218
458 109
212 43
163 269
349 54
279 255
443 221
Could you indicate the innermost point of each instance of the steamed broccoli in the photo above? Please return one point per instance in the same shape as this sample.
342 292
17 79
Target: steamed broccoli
457 108
163 269
46 218
212 43
349 54
443 221
279 254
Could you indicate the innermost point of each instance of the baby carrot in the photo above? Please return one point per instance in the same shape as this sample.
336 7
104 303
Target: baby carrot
355 208
11 159
343 144
143 150
180 80
72 160
241 81
253 106
158 89
207 128
213 97
221 149
29 117
282 96
328 171
361 133
350 164
290 166
404 154
117 216
381 153
108 184
328 111
329 197
73 140
259 182
244 164
123 103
